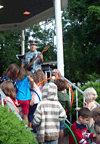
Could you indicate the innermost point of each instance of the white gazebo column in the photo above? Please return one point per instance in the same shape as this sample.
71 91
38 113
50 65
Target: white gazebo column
59 38
23 43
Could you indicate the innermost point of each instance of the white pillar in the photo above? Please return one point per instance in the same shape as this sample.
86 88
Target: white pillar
23 43
59 39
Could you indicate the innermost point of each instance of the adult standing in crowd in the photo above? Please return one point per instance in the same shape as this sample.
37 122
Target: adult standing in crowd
31 55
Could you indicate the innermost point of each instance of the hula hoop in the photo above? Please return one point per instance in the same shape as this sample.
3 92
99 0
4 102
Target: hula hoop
71 132
37 94
66 83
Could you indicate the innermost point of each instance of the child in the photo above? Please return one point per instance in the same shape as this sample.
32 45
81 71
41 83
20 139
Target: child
8 89
64 100
95 115
48 115
97 129
33 104
23 91
39 76
79 127
56 73
90 95
10 74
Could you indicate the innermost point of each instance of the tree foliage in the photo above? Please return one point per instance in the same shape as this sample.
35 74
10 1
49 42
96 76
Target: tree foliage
81 26
10 45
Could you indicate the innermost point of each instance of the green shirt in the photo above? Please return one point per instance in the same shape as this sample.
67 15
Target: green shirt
63 99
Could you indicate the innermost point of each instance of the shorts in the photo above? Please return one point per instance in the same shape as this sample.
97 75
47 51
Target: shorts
24 105
31 112
62 126
50 142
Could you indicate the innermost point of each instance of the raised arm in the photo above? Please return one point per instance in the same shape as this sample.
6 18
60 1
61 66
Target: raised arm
31 82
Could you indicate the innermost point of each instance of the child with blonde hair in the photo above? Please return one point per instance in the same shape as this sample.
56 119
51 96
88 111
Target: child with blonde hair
90 95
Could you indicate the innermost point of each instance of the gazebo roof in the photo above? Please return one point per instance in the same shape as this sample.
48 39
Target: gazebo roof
12 17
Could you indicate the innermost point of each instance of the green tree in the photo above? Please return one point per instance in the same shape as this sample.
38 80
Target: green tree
10 45
81 26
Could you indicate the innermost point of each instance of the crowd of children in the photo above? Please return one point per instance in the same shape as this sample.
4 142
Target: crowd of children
87 118
44 106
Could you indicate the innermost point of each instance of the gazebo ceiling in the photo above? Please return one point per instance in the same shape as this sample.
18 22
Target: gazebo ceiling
12 17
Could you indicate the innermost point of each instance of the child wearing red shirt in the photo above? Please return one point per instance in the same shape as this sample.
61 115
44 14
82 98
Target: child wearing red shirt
79 127
8 88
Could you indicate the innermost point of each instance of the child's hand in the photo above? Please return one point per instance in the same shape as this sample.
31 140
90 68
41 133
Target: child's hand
31 102
8 99
77 108
16 102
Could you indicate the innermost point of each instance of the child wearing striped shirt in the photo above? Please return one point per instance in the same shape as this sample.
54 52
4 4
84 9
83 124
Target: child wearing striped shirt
48 115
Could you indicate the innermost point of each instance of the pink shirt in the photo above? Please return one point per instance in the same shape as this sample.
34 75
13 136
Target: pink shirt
36 99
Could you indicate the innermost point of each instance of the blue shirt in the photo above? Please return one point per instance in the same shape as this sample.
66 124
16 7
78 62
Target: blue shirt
35 66
23 89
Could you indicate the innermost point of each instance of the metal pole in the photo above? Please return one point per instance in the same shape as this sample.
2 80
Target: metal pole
70 102
76 104
23 43
59 40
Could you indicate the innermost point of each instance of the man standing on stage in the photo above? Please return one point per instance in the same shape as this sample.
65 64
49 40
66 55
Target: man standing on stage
32 54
